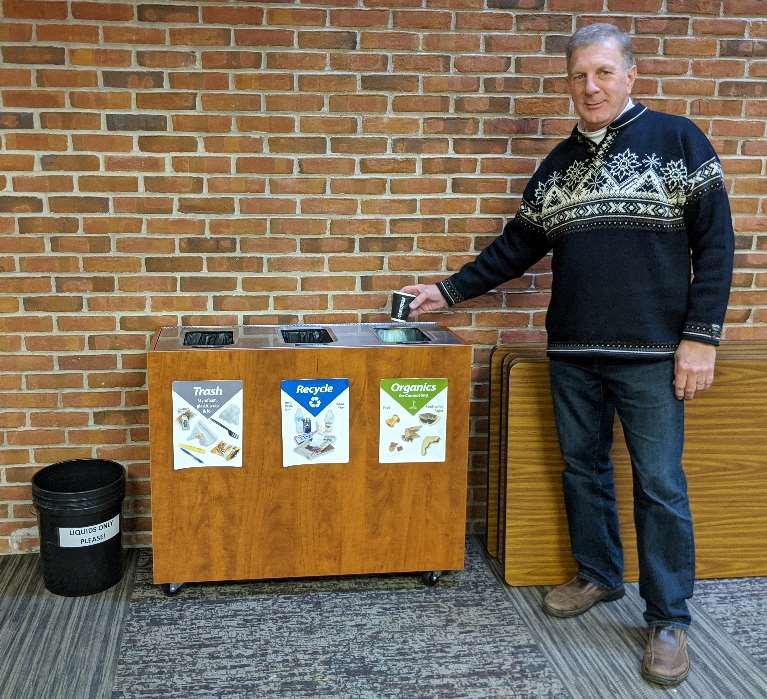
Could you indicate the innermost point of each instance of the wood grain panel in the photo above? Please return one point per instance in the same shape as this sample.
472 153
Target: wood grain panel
266 521
725 461
494 447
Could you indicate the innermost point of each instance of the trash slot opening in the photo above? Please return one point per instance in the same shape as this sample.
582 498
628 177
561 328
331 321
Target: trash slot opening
208 338
305 336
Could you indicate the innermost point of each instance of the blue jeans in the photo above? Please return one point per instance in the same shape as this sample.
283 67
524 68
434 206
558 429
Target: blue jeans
587 391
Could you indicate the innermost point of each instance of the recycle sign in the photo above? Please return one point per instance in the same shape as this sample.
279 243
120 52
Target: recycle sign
314 395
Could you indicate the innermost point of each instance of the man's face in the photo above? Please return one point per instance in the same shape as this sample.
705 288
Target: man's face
599 83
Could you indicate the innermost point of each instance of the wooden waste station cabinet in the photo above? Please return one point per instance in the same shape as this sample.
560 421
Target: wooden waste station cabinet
292 451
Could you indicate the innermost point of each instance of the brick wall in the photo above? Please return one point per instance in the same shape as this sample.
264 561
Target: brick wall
246 162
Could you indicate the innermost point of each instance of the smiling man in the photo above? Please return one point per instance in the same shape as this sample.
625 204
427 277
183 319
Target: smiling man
634 209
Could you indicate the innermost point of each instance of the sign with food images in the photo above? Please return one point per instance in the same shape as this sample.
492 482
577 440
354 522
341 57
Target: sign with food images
207 423
315 421
413 420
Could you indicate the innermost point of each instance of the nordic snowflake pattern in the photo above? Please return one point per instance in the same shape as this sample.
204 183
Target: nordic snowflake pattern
622 187
623 165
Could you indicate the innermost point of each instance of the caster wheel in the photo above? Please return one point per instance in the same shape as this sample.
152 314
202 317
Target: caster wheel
431 578
171 589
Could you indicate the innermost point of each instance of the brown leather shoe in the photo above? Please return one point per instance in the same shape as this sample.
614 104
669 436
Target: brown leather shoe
665 658
577 596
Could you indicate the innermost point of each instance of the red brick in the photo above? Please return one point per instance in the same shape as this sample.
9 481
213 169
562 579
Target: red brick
168 14
265 165
688 87
145 245
55 343
32 98
238 226
166 59
295 17
131 163
718 69
328 83
361 186
263 81
232 15
747 8
202 122
265 206
44 183
103 58
100 100
142 205
690 47
235 264
286 144
69 162
66 78
167 144
327 40
173 184
87 205
734 88
231 59
22 205
294 103
309 302
17 32
262 37
359 62
231 103
18 244
359 227
207 205
199 81
417 103
416 19
32 9
27 400
102 143
269 124
485 145
358 103
200 37
16 162
134 35
232 144
326 205
22 77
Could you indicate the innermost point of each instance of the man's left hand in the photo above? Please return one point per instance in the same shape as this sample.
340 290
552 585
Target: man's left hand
693 368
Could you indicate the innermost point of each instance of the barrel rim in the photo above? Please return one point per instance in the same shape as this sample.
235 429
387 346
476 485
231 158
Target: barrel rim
45 492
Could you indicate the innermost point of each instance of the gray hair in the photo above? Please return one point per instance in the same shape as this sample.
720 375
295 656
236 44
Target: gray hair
597 34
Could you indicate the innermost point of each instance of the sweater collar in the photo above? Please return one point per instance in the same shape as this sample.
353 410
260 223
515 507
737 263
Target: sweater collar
622 120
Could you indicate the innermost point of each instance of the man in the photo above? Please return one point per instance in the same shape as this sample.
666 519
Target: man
630 204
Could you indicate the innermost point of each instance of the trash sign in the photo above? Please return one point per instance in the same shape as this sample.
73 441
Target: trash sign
207 423
413 420
315 421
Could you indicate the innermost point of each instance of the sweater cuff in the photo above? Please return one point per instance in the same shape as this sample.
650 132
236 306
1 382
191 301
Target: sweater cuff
450 292
708 333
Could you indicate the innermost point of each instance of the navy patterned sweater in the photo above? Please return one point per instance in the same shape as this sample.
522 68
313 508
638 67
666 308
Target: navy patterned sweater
641 238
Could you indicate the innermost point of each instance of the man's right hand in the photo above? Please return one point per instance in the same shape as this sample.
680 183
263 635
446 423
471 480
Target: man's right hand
427 298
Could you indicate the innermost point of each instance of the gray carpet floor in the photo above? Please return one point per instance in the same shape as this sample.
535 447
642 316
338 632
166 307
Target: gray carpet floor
368 636
362 636
52 646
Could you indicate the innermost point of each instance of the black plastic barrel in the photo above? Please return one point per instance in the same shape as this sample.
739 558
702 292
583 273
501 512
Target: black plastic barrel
78 504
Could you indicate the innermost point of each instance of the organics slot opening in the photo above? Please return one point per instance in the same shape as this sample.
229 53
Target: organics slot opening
313 336
401 336
213 338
